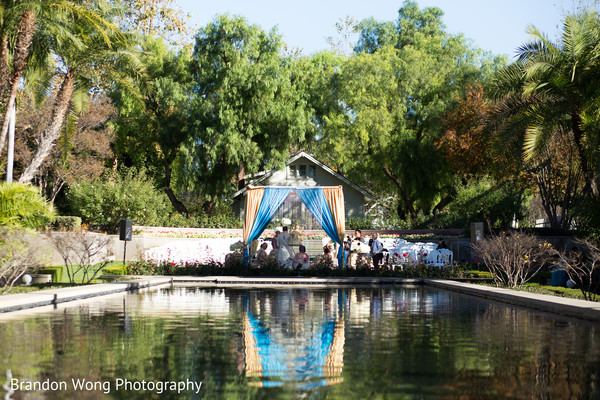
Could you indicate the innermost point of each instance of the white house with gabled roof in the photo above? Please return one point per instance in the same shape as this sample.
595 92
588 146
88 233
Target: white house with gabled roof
303 170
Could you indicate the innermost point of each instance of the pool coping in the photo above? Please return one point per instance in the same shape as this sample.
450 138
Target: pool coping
580 309
21 301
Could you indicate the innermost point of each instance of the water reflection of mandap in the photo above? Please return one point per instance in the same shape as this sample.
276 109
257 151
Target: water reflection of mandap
314 357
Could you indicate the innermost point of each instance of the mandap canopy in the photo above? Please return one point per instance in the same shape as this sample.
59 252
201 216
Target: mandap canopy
325 203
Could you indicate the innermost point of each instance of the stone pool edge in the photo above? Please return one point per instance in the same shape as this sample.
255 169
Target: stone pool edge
580 309
21 301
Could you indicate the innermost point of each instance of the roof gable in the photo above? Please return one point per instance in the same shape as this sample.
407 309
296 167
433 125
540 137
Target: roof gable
264 176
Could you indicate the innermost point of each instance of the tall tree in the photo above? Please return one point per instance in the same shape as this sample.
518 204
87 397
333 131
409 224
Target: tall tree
28 25
390 100
248 109
83 150
156 18
554 86
153 122
92 42
466 144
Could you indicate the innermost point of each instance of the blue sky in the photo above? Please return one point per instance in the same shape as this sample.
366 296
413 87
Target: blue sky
494 25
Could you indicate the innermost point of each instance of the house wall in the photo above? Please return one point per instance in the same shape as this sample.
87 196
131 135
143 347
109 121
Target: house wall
309 174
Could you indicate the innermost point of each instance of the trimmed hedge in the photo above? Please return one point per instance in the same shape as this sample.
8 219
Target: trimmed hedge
57 272
116 270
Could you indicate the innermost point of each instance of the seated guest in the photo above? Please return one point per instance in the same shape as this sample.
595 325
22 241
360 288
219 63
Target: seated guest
275 252
360 253
327 257
262 255
301 260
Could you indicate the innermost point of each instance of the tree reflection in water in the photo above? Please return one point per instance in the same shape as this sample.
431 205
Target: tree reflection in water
400 342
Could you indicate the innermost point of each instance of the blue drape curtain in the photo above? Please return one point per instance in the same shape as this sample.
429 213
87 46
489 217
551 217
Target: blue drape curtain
314 199
309 359
272 198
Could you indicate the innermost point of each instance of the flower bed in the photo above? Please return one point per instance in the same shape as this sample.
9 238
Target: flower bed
183 234
417 236
199 234
202 251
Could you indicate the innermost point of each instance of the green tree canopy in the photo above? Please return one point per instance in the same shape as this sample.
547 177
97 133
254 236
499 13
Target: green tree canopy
547 112
154 109
248 107
390 100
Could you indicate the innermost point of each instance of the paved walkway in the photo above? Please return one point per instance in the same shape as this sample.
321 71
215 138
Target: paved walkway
20 301
569 307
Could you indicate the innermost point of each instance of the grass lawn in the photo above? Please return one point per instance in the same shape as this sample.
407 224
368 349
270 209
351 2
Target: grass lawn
40 286
553 290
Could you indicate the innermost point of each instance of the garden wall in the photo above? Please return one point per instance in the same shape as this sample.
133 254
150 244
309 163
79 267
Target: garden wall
456 241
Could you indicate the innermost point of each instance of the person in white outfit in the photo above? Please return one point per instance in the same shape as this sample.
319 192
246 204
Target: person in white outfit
286 254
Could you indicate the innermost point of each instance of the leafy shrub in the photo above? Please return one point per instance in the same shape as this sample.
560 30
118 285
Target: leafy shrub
234 268
359 223
478 274
587 217
221 218
21 206
66 223
102 203
480 201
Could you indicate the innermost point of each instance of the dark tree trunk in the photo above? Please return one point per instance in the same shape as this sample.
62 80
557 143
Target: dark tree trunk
408 206
590 187
52 131
178 205
208 206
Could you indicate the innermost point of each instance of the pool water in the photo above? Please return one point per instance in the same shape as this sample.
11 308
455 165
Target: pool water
363 343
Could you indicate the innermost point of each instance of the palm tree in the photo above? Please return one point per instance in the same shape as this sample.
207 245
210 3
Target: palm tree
79 58
31 25
553 87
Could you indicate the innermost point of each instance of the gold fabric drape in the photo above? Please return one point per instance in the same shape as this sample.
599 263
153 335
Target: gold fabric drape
253 198
334 196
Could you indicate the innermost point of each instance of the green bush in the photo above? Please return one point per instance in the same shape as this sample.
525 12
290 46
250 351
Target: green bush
478 274
102 203
66 223
21 206
354 223
116 270
234 267
587 218
223 220
55 270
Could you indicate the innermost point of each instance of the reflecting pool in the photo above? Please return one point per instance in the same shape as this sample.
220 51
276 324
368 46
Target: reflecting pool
396 342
